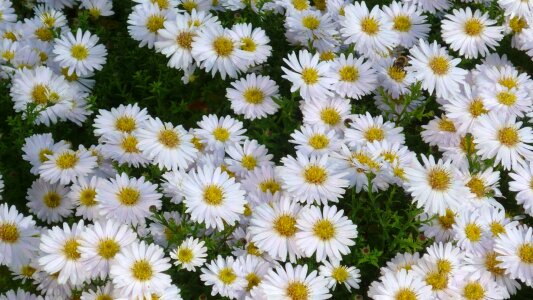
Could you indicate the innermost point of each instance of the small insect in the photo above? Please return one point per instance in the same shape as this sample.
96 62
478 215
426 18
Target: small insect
400 62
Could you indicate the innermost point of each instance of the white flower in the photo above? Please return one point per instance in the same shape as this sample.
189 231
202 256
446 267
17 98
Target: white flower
66 165
308 75
365 129
402 261
316 140
471 233
190 254
175 41
326 232
121 119
126 199
18 237
330 112
407 21
247 157
253 41
83 196
395 80
354 78
468 287
220 132
60 247
137 271
340 274
145 21
515 251
49 202
38 146
212 197
436 69
399 285
98 8
81 54
522 179
222 275
253 96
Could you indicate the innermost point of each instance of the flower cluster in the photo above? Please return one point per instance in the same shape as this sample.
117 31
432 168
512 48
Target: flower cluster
114 219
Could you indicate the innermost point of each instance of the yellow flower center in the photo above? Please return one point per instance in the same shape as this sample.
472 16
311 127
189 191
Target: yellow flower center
397 74
163 4
169 138
253 95
447 220
70 249
319 141
79 52
310 76
189 5
71 77
474 291
369 26
439 179
320 4
108 248
405 294
87 197
253 281
223 46
128 196
125 124
249 162
52 199
66 160
39 94
327 56
300 4
221 134
43 153
374 134
492 262
129 144
402 23
349 73
248 44
252 249
439 65
297 291
525 253
324 230
48 19
184 39
446 125
473 232
9 233
473 27
517 24
8 55
340 274
227 275
10 35
477 186
476 108
185 255
197 143
330 116
496 229
269 185
444 266
285 225
213 195
506 98
508 136
315 175
142 270
44 34
154 23
437 280
27 271
95 12
310 22
508 82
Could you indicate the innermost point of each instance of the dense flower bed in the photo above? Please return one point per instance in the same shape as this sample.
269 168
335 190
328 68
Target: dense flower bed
286 149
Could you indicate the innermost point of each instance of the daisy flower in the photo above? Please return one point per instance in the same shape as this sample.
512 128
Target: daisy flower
312 178
368 30
315 140
503 139
367 129
7 12
216 50
400 285
175 42
340 274
308 75
124 149
469 287
126 199
137 270
471 233
516 8
294 282
353 77
61 253
331 112
436 69
100 292
431 6
262 185
394 79
165 144
253 269
311 27
20 294
254 42
81 54
326 232
509 102
191 253
18 237
212 197
432 276
402 261
83 195
273 228
247 157
222 275
66 165
441 132
435 186
408 22
98 8
37 147
522 179
145 21
49 202
465 109
515 251
100 243
220 132
121 119
253 96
